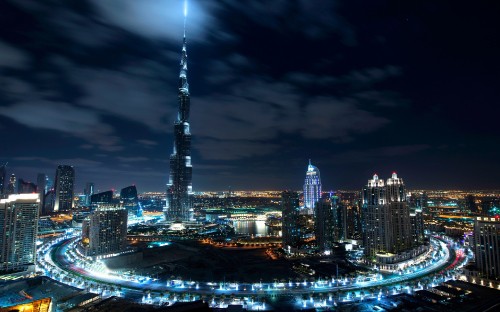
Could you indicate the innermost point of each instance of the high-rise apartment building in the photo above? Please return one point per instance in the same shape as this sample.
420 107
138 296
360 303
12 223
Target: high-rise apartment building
312 187
18 231
387 225
64 188
179 188
400 214
325 221
487 246
104 232
291 229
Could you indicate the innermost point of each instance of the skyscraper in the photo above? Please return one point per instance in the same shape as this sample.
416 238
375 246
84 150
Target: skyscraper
387 226
41 180
376 218
312 187
88 192
325 225
487 246
3 176
291 234
179 188
400 214
18 231
65 179
104 232
130 200
11 187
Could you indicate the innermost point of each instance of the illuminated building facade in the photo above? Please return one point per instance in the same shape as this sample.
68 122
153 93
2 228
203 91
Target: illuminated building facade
64 188
18 230
291 229
104 232
179 188
387 226
312 187
487 246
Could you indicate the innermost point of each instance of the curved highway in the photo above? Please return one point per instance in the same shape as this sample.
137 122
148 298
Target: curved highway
57 255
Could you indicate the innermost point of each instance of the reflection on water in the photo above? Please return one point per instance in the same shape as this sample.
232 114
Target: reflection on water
255 228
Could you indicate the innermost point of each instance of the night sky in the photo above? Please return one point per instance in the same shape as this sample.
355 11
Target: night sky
357 86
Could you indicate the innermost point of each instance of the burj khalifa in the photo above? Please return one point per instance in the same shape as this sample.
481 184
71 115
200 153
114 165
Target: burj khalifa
180 188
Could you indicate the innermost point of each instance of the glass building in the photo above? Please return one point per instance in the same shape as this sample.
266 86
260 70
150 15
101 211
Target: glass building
291 229
179 188
64 188
312 188
18 231
104 232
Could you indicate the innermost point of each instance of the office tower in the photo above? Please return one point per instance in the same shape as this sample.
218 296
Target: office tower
25 187
353 222
130 200
312 187
65 179
104 232
11 187
487 246
18 231
48 202
325 230
3 176
179 188
400 214
417 226
88 192
101 198
41 180
291 229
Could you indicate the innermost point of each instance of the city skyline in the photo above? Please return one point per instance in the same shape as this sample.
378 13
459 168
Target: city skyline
389 87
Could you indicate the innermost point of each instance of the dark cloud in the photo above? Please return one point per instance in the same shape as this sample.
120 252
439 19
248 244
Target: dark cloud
12 57
273 83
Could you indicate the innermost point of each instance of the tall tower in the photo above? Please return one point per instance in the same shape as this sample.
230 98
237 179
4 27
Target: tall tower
180 188
312 187
400 214
291 231
18 230
487 246
376 218
65 179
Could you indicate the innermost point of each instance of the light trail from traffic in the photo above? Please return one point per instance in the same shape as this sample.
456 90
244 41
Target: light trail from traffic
59 259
